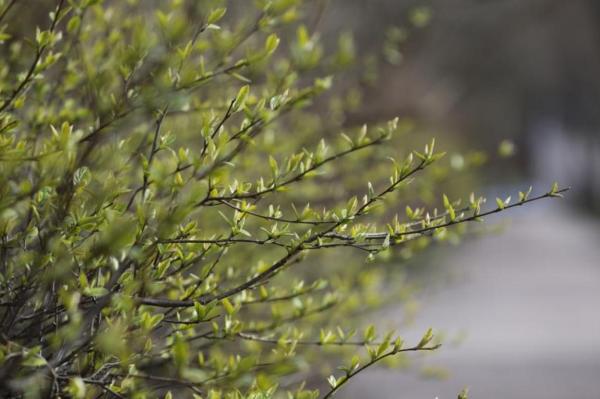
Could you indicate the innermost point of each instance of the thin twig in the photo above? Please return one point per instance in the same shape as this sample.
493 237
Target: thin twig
376 360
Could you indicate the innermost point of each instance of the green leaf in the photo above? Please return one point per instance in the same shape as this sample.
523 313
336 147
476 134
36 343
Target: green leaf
386 242
371 190
348 139
382 347
446 202
500 203
420 16
81 176
180 351
398 342
323 83
240 99
420 156
369 334
83 280
273 165
427 337
216 15
506 148
524 196
452 214
34 361
449 208
271 43
326 336
332 381
73 24
554 190
95 291
77 388
229 308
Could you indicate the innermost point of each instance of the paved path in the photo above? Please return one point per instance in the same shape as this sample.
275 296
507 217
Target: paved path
529 300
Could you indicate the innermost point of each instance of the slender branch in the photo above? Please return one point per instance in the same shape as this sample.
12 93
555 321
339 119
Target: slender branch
277 219
38 56
474 217
392 352
222 241
251 130
153 151
104 386
280 298
218 127
295 178
7 9
252 337
165 303
275 267
169 380
223 71
185 303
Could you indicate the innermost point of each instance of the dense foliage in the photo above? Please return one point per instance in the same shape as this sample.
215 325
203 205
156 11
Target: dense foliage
170 189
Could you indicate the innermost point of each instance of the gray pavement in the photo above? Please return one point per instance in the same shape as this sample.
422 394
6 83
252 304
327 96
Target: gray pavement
529 302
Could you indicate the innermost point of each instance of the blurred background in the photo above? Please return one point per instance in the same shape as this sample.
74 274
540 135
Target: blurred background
518 309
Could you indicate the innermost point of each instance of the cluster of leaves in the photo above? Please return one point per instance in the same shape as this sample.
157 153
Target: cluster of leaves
156 169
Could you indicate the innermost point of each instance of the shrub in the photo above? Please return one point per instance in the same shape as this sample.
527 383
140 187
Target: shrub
156 238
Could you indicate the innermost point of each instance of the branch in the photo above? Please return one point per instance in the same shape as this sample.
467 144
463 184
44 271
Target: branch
474 217
39 52
7 9
153 151
392 352
251 337
275 267
277 219
297 177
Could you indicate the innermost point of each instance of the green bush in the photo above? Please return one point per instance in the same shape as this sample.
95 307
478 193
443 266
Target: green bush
171 192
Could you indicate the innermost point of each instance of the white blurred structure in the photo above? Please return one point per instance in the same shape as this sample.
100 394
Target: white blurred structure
571 159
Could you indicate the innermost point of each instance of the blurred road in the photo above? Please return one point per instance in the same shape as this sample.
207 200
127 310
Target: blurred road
529 301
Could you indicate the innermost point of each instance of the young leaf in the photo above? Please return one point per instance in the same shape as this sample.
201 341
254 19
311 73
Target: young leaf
229 308
427 337
500 203
240 99
216 15
271 43
332 381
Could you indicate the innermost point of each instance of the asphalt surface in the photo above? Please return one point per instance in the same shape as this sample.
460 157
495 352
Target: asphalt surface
527 303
